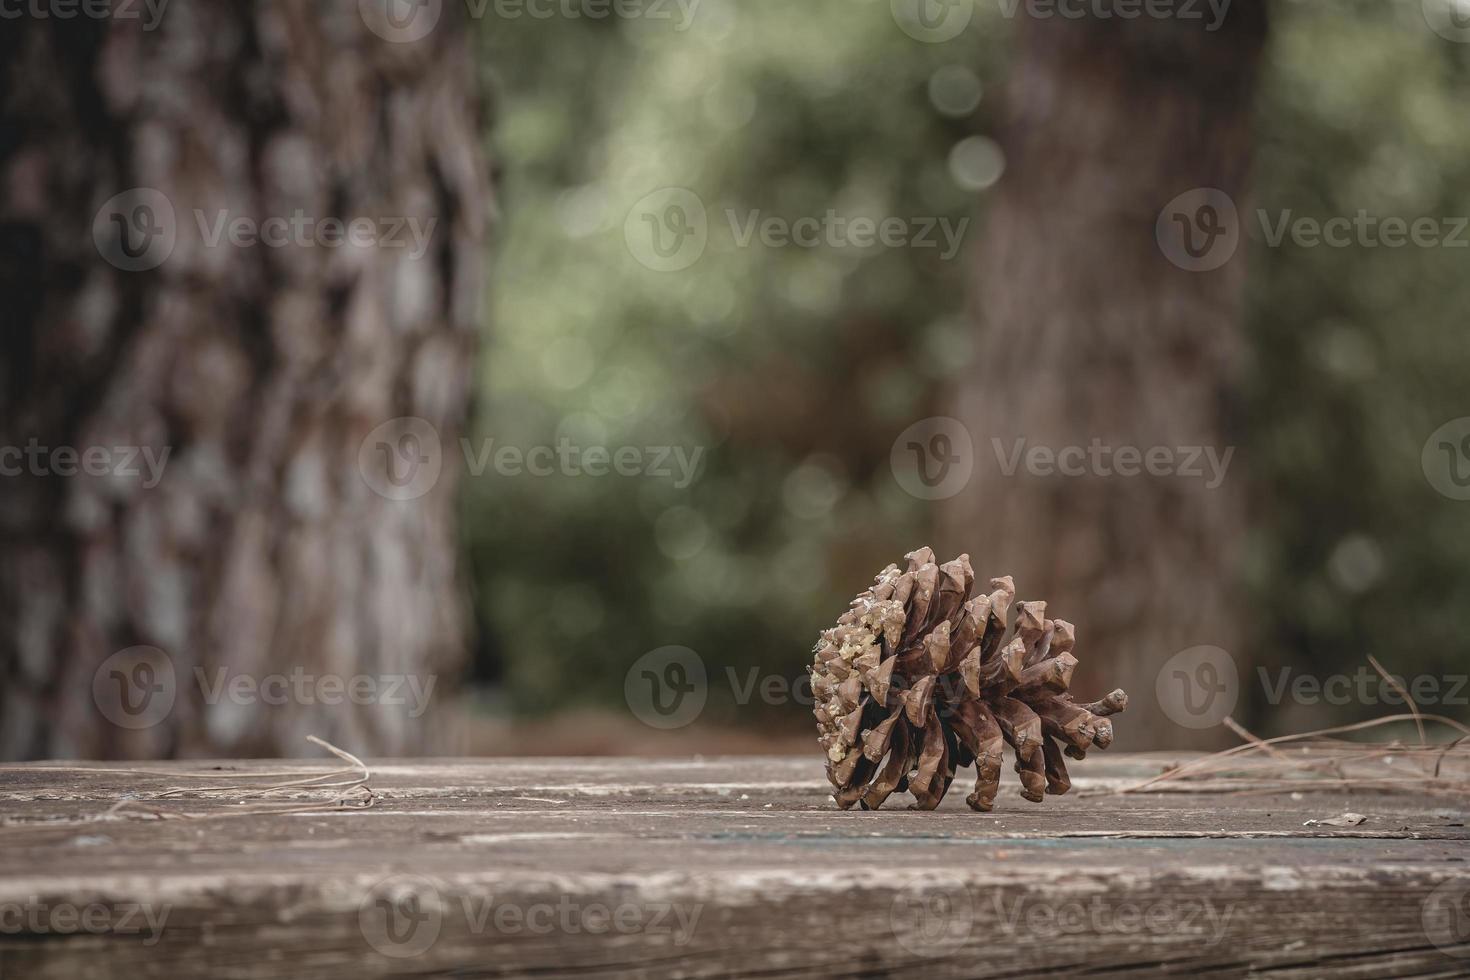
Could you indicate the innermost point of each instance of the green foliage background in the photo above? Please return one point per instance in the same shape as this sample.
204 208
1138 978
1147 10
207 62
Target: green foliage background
793 369
1360 353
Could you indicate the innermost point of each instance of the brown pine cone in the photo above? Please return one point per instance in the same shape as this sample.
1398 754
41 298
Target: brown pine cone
920 675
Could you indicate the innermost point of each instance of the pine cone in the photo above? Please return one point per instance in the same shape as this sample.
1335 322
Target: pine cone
919 674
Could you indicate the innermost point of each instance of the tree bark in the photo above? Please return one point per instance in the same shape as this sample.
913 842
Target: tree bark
265 551
1088 331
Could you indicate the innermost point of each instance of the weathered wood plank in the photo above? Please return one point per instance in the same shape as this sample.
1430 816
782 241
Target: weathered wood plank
720 867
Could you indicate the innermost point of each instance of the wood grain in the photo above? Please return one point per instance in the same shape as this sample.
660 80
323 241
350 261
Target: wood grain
712 868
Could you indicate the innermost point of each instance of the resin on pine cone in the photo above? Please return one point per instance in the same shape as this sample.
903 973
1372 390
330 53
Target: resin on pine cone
917 679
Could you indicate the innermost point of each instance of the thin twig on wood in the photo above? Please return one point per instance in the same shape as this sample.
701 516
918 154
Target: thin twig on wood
353 782
1262 766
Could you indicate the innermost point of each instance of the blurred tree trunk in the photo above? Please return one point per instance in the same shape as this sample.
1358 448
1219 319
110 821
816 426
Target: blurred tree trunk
264 551
1089 332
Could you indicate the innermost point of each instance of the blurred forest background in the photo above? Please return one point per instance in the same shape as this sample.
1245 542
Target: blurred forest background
768 410
795 368
798 368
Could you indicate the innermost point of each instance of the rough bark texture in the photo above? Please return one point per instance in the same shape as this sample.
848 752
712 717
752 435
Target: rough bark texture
1089 332
263 550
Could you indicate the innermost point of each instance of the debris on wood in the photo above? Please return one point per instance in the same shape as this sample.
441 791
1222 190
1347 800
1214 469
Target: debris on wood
1346 820
345 789
1327 759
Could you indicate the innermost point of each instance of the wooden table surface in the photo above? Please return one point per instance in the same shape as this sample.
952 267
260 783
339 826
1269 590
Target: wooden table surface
711 867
